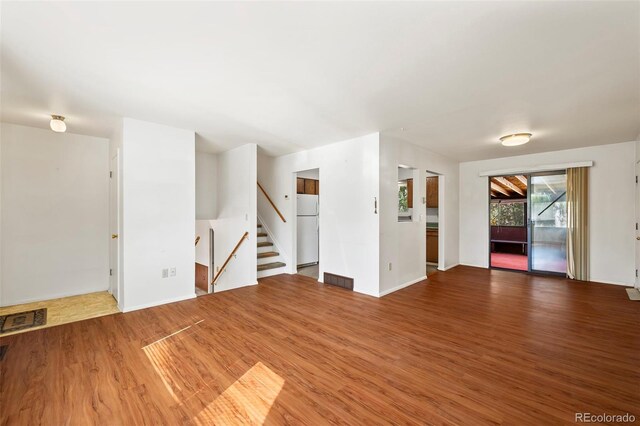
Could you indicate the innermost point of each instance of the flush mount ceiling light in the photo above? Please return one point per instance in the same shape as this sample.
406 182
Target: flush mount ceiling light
515 139
57 124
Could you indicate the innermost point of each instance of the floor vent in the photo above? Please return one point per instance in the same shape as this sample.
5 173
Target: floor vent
337 280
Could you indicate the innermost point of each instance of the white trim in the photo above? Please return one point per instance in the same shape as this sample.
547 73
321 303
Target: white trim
449 267
401 286
473 265
160 302
540 168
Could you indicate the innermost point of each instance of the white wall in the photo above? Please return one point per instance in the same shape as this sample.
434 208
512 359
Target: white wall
611 209
349 237
54 214
403 244
206 183
310 174
236 205
158 210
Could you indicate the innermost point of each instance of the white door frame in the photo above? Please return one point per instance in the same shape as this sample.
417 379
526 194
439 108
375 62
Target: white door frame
294 224
114 227
441 223
638 220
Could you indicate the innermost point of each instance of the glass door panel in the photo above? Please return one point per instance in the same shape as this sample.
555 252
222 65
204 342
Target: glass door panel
548 222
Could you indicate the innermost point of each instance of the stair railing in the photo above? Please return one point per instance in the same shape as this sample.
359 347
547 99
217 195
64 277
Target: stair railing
271 202
226 262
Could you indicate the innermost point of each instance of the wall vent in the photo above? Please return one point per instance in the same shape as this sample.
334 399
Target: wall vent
338 280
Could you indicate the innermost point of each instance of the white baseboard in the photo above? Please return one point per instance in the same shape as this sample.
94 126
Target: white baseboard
401 286
449 267
220 289
473 266
158 303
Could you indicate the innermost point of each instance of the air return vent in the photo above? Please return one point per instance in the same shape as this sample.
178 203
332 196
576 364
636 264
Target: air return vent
337 280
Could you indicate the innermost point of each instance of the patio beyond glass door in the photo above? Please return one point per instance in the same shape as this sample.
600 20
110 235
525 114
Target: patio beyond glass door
548 222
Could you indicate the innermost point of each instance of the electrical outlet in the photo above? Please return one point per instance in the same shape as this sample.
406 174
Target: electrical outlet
165 273
389 265
172 272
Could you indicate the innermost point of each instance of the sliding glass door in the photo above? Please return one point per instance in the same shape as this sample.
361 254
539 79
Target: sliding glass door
548 222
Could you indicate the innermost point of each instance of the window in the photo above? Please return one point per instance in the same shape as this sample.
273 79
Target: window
508 214
403 205
405 193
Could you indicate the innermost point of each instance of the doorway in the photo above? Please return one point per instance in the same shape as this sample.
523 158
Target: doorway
528 222
433 230
114 228
637 222
308 223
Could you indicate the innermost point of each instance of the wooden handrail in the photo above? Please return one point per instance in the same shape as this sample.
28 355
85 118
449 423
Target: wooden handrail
271 202
224 265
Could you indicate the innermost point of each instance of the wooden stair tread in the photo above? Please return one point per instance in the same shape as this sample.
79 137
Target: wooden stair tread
268 254
272 265
265 244
262 234
259 226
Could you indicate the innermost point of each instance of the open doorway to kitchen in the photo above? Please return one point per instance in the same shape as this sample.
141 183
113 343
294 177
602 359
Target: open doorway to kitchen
432 203
308 223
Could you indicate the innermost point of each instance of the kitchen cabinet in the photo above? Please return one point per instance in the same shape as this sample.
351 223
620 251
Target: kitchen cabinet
307 186
432 191
432 245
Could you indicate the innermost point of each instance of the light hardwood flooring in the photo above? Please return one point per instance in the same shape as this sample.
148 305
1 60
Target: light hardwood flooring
67 309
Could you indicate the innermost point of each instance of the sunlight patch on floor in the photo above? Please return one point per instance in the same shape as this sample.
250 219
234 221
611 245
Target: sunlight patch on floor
247 401
164 363
172 334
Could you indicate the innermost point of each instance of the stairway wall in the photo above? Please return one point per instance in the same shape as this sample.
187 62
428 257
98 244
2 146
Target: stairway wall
237 211
349 226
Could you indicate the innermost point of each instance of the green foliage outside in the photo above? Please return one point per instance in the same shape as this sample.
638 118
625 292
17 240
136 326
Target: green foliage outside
403 205
507 214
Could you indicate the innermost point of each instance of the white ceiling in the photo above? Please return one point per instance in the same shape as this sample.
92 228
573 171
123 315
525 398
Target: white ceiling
290 76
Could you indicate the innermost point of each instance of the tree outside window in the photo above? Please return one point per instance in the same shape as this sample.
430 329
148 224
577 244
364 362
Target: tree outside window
507 214
403 203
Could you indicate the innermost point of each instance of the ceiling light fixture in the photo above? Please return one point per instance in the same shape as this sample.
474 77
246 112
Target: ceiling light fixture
57 124
515 139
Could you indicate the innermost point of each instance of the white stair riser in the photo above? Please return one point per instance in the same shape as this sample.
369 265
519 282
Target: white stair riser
269 260
270 272
266 248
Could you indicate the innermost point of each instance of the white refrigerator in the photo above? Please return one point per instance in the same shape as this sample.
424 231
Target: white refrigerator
308 229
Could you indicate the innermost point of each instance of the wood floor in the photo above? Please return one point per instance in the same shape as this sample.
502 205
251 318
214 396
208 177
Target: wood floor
471 347
67 309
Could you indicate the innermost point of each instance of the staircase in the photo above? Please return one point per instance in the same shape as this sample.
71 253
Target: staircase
269 260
